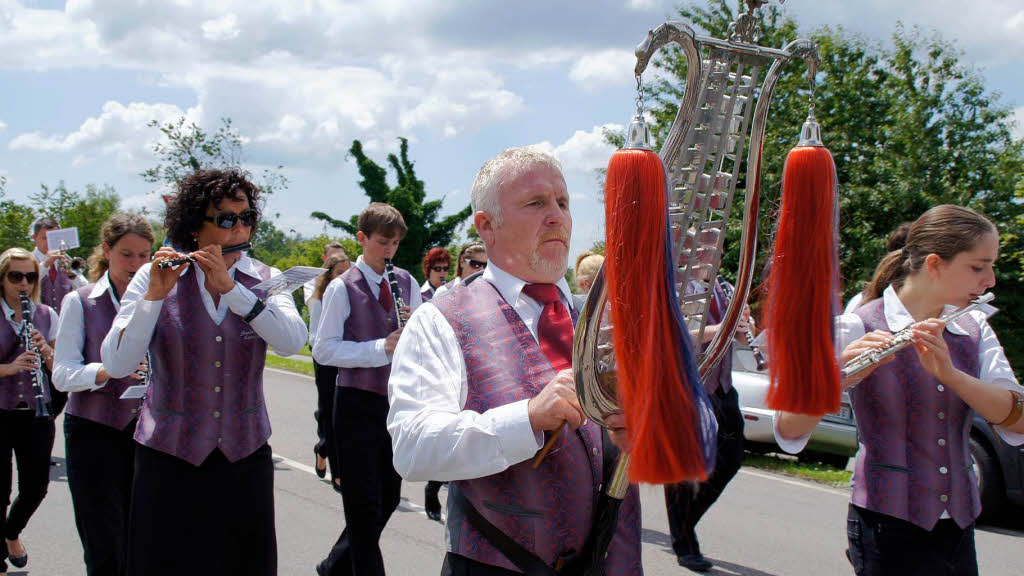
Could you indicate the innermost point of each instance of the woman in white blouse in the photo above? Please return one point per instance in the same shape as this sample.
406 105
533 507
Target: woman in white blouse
326 376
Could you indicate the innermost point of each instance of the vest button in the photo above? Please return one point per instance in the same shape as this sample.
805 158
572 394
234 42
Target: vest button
942 441
217 363
942 415
216 414
216 388
595 451
218 338
944 498
219 440
940 387
943 470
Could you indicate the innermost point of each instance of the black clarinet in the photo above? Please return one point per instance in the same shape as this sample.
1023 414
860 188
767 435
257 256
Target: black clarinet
759 358
396 291
39 379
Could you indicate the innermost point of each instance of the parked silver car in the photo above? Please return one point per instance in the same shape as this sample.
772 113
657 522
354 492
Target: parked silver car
833 441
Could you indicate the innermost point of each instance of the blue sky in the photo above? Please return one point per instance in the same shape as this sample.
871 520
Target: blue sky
301 80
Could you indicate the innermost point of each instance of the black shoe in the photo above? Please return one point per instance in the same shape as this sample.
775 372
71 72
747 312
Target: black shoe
696 562
321 472
433 505
18 561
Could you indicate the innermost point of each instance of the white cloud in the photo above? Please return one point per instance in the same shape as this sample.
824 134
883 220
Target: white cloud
223 28
119 131
644 4
605 68
151 203
3 126
584 151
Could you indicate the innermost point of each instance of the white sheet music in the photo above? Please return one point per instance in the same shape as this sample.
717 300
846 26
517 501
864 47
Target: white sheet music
133 392
69 237
289 280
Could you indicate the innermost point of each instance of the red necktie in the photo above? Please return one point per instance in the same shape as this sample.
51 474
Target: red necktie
554 330
53 272
385 296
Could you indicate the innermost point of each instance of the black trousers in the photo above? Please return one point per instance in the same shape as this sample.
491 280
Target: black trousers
686 503
326 382
881 545
216 519
30 440
101 464
370 487
455 565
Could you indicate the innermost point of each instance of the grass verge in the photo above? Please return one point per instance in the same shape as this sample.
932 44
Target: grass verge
290 365
813 471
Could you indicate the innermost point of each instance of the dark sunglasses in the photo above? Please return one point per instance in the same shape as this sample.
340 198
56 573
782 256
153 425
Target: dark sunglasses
440 268
475 264
13 276
226 220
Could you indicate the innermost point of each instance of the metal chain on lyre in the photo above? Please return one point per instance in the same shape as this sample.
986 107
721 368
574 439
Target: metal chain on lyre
639 95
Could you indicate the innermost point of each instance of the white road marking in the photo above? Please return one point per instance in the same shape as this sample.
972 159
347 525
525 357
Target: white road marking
288 373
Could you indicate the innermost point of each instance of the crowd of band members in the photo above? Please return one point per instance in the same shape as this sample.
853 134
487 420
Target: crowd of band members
466 392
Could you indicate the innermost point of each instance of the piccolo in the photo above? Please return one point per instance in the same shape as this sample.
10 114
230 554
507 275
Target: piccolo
903 338
186 259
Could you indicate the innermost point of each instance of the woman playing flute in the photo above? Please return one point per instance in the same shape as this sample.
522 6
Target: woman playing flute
99 426
202 497
915 494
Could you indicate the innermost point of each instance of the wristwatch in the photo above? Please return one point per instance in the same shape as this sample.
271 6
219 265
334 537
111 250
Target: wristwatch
256 309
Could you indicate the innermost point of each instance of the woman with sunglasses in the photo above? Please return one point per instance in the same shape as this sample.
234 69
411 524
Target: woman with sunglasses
203 492
472 259
99 426
436 264
326 376
27 438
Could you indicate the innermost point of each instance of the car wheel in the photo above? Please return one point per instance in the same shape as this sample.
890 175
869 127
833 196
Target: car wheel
833 460
990 481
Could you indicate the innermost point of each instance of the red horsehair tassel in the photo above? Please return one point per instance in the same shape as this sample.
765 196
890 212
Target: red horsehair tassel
653 369
802 283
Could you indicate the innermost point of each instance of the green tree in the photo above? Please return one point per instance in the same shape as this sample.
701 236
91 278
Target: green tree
86 211
15 220
426 228
186 147
910 127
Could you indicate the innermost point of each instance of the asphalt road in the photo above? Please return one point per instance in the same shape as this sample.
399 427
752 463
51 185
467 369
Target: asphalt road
764 524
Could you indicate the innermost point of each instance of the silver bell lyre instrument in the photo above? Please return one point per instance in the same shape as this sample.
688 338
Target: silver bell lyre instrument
903 338
748 334
396 292
39 380
728 87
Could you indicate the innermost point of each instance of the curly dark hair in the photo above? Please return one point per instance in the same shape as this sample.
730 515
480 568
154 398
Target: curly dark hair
187 210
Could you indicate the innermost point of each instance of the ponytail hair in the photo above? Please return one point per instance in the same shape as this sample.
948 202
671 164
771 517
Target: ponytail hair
945 231
116 227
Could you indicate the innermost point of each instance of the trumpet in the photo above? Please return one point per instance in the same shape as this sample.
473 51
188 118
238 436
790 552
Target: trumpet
396 291
903 338
186 259
748 335
39 380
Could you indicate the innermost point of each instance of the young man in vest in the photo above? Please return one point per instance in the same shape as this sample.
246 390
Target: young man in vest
358 331
483 372
54 284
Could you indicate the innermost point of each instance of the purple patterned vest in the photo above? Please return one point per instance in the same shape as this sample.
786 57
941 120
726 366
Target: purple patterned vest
913 461
427 294
721 375
52 292
206 391
16 391
367 320
550 510
103 406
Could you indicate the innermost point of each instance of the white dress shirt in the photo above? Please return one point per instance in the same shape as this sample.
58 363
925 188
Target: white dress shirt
9 315
330 347
432 436
279 325
445 287
316 308
70 372
995 369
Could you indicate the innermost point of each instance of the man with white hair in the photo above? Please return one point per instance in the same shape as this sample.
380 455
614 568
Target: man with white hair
483 372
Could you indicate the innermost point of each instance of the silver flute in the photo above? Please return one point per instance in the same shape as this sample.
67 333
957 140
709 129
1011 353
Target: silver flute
396 291
39 380
903 338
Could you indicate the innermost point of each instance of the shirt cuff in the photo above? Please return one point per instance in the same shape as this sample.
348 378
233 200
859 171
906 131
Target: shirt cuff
380 353
511 425
240 300
789 445
89 375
